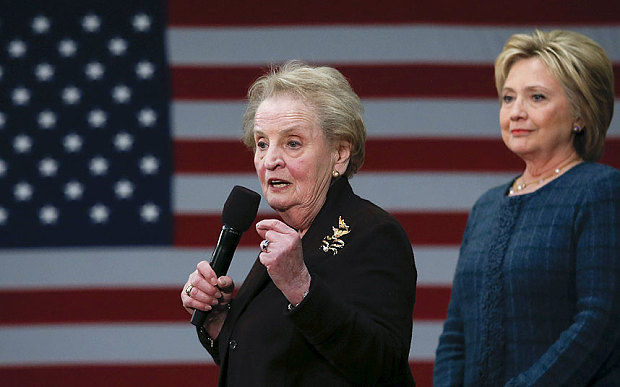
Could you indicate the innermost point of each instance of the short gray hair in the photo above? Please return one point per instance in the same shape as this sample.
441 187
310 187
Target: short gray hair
339 110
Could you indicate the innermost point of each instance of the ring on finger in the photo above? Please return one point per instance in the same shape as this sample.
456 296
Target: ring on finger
264 244
188 290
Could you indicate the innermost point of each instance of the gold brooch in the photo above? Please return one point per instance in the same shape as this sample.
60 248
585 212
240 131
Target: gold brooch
333 243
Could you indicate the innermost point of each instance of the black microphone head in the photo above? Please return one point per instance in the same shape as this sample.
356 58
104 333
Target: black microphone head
240 208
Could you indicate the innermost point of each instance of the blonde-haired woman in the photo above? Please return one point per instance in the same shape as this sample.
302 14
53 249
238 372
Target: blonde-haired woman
536 293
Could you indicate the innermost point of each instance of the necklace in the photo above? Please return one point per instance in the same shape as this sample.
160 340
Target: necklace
516 187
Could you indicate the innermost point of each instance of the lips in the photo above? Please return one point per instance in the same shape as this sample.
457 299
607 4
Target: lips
277 183
518 131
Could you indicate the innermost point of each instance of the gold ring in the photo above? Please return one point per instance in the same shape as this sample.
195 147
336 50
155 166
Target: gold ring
188 290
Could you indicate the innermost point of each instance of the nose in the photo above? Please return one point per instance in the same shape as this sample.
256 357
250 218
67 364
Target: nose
517 110
273 158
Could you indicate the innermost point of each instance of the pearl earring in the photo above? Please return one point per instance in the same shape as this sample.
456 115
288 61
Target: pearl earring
335 173
576 129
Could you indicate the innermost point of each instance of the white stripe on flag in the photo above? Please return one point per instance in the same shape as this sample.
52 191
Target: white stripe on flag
392 191
131 343
354 44
144 267
397 117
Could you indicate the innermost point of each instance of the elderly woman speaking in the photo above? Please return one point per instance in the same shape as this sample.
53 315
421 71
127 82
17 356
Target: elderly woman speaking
536 294
330 298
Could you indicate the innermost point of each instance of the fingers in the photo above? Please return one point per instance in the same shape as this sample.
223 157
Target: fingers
225 284
277 236
202 289
205 270
266 225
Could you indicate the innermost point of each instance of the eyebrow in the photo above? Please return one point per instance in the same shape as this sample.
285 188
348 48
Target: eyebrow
529 88
283 132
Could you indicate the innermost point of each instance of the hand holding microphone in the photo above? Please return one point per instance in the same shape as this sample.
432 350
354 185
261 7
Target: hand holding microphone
238 214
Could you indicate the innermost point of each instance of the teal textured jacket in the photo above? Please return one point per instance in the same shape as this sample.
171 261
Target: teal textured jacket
536 293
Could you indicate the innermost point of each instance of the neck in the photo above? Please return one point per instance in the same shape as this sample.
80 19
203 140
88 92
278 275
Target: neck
300 218
535 176
539 167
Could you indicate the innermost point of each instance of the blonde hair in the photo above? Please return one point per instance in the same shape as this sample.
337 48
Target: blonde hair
583 69
338 109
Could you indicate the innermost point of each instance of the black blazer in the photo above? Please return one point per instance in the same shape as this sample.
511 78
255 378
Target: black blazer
354 326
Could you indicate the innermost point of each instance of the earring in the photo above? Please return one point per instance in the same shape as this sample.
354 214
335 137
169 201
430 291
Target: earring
335 173
576 129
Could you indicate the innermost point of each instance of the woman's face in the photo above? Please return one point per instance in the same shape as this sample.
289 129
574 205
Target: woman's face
535 117
293 159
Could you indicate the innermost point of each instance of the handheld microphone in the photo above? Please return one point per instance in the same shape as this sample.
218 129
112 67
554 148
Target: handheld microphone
239 212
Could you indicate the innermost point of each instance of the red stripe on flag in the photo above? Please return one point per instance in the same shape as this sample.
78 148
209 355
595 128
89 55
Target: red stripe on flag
369 81
212 83
60 306
433 228
200 230
156 375
422 372
129 305
396 155
397 80
278 12
117 375
427 228
431 302
445 154
212 156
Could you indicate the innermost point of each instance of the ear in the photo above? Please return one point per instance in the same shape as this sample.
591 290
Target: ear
578 122
342 155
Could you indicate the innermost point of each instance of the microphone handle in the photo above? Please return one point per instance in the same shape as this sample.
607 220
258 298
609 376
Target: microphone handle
220 262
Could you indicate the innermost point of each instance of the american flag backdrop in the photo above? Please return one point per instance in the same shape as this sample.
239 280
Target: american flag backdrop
119 143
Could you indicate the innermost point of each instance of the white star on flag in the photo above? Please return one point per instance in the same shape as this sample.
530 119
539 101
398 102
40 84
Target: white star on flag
71 95
22 143
40 24
22 191
67 47
47 119
123 141
73 190
117 46
123 189
141 22
20 96
149 212
44 72
48 167
91 23
48 214
4 215
98 166
121 94
149 165
17 48
147 117
72 142
99 213
97 118
94 70
145 69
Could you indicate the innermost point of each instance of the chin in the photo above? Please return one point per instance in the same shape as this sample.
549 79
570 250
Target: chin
519 147
277 204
